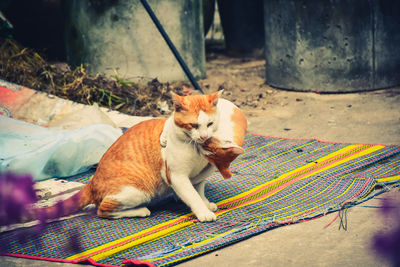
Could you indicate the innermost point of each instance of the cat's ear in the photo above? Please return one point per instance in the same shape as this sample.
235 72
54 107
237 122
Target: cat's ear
237 150
233 147
178 102
213 98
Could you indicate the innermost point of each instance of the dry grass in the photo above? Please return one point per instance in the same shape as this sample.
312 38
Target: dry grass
26 67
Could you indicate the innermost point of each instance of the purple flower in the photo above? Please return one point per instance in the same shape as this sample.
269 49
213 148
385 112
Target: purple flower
74 243
17 194
388 244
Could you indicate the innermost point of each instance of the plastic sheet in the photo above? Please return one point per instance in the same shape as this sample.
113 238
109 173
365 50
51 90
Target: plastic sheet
46 153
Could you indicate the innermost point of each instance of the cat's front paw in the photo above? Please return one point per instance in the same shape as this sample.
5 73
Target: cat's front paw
206 216
212 206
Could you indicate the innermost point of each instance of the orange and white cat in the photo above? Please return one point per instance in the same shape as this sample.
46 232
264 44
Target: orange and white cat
136 169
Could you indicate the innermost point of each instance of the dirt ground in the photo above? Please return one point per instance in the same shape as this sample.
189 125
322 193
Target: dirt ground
367 117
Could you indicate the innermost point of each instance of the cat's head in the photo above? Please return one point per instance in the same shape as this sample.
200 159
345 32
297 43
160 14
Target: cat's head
221 154
196 115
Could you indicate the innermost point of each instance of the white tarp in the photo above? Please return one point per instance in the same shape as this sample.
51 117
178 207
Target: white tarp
46 153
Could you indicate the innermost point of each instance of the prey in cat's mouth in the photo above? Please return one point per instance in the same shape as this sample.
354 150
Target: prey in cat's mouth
221 154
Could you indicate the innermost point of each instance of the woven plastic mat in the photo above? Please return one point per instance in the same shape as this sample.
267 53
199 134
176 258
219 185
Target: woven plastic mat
275 182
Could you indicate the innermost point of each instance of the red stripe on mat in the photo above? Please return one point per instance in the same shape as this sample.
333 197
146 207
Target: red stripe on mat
85 261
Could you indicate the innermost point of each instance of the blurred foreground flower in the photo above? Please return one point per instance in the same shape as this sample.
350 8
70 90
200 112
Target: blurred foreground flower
17 195
388 244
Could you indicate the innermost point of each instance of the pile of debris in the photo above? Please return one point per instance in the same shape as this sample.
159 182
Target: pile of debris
26 67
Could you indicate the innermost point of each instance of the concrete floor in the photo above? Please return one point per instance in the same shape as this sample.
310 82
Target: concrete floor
373 118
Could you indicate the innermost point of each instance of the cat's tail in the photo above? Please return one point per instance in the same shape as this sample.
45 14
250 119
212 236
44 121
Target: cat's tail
65 207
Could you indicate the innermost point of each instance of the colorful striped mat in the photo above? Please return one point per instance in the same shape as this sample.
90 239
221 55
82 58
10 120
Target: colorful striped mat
276 182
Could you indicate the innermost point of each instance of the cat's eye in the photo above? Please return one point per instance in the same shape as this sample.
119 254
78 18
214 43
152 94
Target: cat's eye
194 125
209 124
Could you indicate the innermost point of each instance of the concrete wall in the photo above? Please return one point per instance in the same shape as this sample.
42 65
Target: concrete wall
332 46
119 35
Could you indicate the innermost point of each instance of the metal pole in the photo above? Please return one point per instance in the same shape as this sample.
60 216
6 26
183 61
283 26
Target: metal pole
171 45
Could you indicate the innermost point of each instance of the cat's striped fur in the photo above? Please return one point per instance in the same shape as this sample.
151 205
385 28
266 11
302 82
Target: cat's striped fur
136 169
